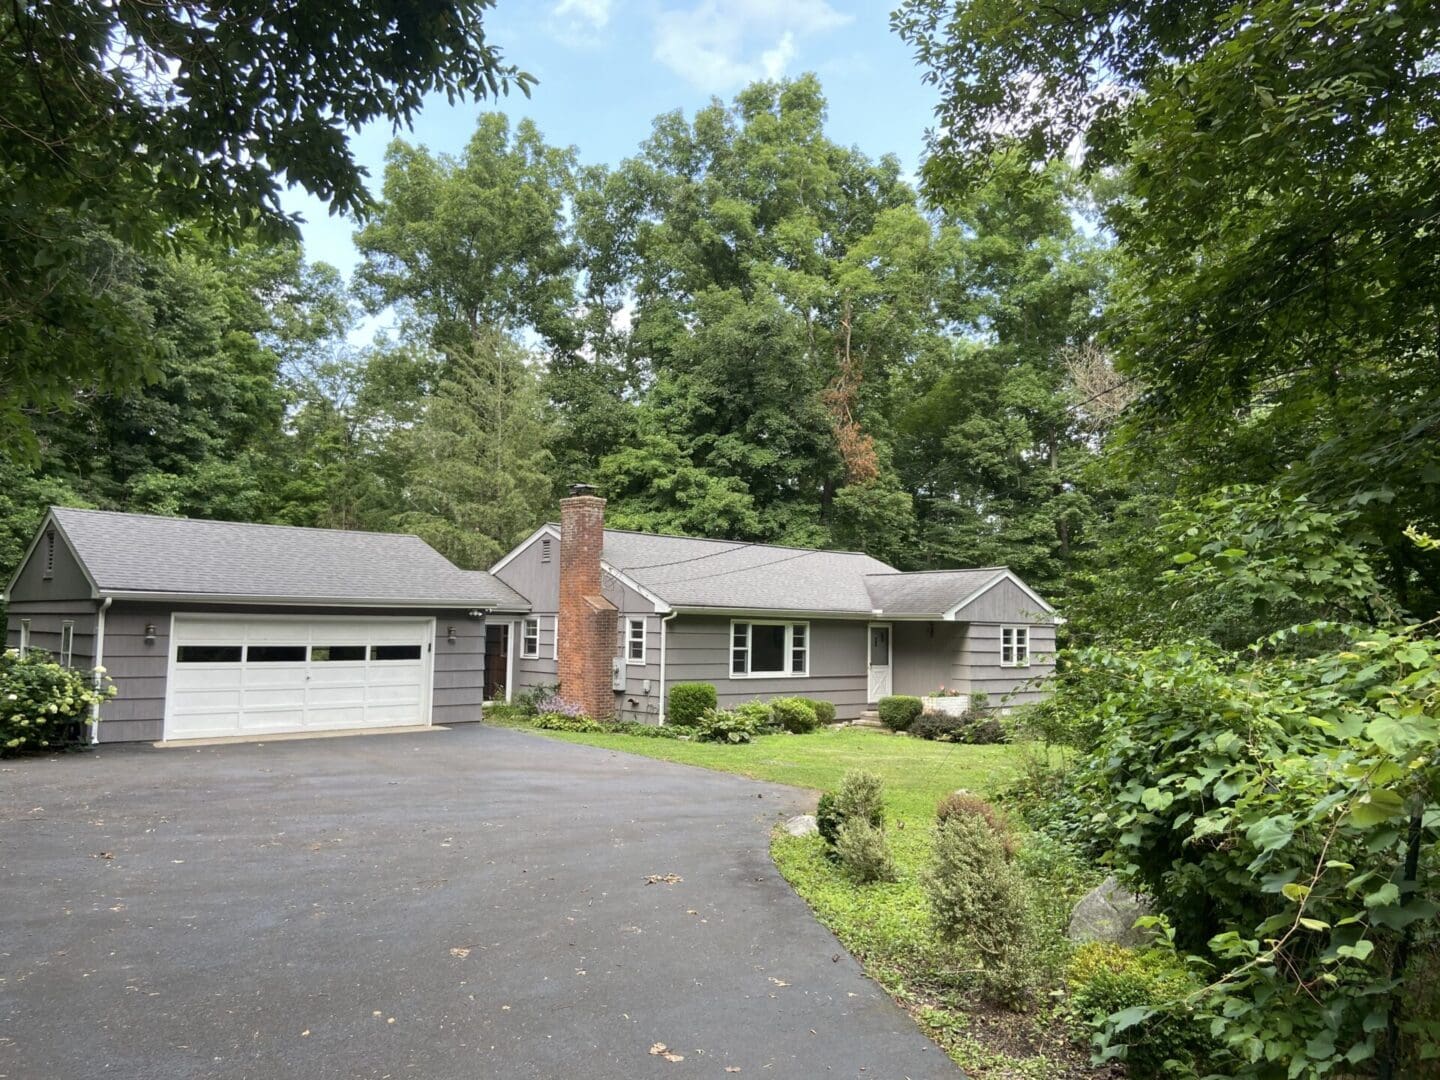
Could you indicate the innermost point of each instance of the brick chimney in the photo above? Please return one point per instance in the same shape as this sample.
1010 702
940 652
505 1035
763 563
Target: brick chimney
587 620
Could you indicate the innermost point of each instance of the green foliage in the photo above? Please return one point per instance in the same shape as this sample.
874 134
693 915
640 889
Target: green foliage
728 726
899 711
44 706
690 701
864 852
556 721
975 725
644 731
824 711
978 903
794 714
861 794
827 819
1105 979
1271 805
528 701
959 803
244 107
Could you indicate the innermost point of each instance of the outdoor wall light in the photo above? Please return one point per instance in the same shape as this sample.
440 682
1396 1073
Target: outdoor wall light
450 634
476 613
149 633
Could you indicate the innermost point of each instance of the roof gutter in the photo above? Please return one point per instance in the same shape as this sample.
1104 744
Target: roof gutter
314 601
797 613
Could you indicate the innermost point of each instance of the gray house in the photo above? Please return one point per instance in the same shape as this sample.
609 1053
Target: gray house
213 629
759 620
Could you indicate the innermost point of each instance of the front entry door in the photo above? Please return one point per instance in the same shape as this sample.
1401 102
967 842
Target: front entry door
497 661
879 662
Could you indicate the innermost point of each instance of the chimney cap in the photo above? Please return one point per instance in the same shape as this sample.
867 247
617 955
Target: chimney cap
582 489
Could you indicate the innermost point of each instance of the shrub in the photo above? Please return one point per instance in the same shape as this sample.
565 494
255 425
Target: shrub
728 726
44 706
528 701
689 701
559 721
828 819
1104 979
978 902
795 715
935 725
899 711
824 711
861 795
864 852
758 713
962 802
973 726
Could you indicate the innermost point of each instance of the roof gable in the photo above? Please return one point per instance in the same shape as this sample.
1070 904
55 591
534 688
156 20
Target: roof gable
141 554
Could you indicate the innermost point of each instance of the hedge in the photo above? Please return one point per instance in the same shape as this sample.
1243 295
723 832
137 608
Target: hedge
689 701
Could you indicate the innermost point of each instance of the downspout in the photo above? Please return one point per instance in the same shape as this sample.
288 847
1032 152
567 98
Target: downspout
99 668
663 620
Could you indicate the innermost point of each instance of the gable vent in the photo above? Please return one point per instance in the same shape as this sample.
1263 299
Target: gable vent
545 549
49 554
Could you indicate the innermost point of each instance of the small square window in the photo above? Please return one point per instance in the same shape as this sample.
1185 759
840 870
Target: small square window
1015 646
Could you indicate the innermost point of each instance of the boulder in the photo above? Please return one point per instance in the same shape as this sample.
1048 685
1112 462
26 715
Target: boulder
1108 913
802 825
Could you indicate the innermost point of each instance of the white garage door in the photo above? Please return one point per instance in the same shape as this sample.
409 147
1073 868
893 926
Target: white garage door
253 675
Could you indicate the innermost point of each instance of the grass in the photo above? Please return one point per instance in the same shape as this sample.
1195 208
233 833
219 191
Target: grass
887 925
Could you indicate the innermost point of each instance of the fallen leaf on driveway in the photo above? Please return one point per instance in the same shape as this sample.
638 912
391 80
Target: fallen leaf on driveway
103 855
661 1050
778 982
663 879
460 953
732 1068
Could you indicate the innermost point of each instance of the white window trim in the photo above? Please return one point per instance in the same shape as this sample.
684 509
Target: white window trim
555 638
1017 633
525 653
789 649
644 624
67 642
24 637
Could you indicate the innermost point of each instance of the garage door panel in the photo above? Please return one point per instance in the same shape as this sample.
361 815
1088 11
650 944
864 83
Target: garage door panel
338 680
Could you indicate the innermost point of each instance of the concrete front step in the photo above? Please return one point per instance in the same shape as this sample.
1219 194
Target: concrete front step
869 719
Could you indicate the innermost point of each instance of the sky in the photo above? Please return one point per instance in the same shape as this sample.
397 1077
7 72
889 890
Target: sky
607 68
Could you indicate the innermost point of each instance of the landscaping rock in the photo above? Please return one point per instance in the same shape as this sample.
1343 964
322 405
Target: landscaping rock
1108 913
802 825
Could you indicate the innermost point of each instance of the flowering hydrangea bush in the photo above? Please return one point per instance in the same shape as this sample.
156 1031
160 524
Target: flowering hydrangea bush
44 705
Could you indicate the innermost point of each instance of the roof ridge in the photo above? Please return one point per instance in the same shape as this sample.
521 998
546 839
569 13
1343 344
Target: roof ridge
736 543
241 524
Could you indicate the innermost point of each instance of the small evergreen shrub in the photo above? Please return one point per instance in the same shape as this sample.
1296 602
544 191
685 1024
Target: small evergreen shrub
727 726
559 721
824 711
1104 979
938 726
795 715
864 852
974 726
962 802
861 795
828 819
689 702
899 711
44 706
978 904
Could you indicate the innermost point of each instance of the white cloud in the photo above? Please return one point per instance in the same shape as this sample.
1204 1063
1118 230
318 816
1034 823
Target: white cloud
594 13
720 46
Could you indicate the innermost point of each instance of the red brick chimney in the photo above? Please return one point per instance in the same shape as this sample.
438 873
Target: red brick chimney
587 620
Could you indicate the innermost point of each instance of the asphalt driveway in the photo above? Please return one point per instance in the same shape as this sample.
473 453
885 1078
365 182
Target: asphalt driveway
467 903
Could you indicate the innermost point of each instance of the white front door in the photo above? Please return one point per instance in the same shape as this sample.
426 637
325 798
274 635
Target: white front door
242 675
880 662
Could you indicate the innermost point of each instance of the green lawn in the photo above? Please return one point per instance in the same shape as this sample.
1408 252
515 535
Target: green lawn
887 925
916 773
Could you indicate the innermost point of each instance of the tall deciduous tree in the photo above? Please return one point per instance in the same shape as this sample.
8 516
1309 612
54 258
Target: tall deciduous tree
120 120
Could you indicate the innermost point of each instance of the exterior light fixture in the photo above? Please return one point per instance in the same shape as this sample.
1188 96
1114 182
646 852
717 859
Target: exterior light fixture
149 633
450 634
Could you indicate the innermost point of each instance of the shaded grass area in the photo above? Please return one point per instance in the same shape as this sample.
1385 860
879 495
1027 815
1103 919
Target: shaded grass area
886 925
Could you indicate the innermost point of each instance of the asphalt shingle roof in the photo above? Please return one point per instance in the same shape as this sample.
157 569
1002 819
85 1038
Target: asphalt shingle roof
141 553
933 592
688 572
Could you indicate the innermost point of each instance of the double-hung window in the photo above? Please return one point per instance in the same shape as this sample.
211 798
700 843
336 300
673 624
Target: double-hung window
635 641
1015 646
530 639
769 648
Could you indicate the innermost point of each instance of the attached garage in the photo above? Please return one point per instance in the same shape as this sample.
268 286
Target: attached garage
220 629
